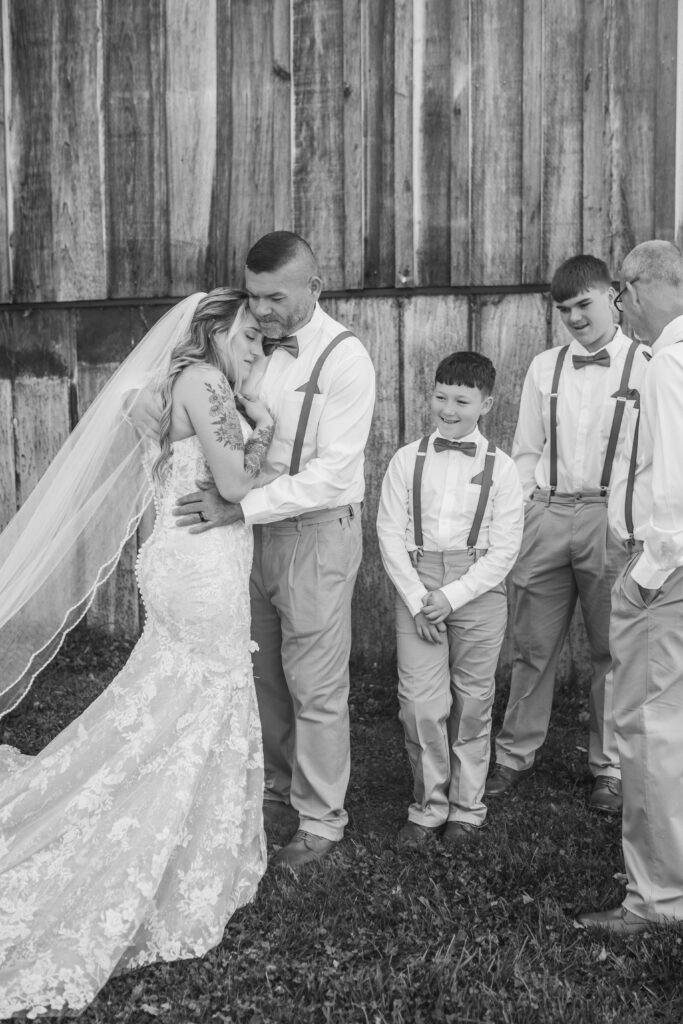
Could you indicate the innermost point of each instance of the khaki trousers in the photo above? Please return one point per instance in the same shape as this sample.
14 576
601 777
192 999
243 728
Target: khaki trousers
567 552
647 646
445 695
301 586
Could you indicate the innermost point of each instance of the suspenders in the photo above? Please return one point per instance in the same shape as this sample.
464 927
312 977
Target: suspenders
487 479
620 396
310 390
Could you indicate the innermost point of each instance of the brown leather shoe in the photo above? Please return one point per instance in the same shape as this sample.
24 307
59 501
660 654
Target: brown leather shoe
460 833
618 921
413 834
302 849
606 795
502 779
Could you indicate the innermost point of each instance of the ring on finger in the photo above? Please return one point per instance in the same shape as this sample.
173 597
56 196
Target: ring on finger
202 517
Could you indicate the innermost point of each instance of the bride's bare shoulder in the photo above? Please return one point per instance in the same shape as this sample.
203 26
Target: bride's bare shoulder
198 378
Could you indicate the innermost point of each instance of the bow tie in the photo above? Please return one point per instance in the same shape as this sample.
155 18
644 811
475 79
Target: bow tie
289 344
601 359
442 444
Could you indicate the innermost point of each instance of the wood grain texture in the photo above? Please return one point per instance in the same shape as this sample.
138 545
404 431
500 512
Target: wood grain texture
378 131
219 228
41 412
533 164
432 141
431 327
30 149
283 211
352 123
496 142
404 184
318 168
5 251
37 343
598 22
8 492
665 120
190 29
460 150
562 150
135 145
376 324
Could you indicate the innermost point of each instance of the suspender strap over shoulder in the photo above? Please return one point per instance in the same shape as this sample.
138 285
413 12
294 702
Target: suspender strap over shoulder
417 493
631 478
486 482
617 418
554 389
309 394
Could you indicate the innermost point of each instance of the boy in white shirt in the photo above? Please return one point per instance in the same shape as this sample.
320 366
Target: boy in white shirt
577 402
450 524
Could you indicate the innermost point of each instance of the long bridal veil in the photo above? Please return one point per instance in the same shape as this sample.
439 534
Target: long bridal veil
67 537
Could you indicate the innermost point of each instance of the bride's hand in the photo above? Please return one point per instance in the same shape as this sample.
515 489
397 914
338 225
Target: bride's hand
255 410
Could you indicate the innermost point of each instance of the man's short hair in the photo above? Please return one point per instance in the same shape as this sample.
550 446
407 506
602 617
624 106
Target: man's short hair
577 275
656 260
274 250
471 369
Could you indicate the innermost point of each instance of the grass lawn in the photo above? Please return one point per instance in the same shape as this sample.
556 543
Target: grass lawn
376 935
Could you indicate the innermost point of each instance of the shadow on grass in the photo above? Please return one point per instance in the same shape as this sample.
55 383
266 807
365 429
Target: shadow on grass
378 935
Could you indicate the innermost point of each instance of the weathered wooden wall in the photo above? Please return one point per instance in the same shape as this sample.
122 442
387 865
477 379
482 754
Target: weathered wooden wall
442 156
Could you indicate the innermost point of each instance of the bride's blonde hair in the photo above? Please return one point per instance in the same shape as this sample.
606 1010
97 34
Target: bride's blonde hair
222 309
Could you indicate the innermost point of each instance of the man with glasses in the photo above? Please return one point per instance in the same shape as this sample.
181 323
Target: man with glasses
646 633
576 402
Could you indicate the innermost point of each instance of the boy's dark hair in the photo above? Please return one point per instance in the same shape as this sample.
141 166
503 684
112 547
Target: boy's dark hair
471 369
578 274
274 250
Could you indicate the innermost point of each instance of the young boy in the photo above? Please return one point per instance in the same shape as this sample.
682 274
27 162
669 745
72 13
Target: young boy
576 403
450 525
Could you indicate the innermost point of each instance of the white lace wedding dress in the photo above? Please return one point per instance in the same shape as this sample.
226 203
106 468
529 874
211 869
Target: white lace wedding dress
137 832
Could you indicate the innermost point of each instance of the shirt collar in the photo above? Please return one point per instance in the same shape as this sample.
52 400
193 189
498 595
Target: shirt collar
305 334
474 435
672 333
577 349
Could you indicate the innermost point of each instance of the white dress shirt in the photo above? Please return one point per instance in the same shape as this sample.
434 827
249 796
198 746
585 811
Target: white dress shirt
449 503
585 409
658 487
332 459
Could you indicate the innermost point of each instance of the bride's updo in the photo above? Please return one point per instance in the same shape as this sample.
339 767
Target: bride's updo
222 309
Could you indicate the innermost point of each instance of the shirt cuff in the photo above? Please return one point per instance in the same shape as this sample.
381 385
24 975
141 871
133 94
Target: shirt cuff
456 594
647 575
413 600
254 506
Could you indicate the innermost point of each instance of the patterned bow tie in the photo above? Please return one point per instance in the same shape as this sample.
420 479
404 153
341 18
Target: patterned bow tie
601 359
442 444
289 344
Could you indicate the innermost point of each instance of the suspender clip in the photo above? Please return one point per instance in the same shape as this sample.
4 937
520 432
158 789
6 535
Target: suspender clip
472 553
551 495
603 492
415 556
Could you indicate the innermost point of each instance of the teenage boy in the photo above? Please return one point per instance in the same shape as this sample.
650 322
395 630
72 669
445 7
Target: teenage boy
450 524
576 405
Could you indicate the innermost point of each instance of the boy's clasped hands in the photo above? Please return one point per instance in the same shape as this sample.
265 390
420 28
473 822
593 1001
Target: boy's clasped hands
430 622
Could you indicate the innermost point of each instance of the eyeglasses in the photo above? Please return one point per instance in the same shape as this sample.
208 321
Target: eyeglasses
617 298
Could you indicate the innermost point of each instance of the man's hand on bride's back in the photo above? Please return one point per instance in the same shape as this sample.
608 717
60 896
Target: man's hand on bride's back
203 509
143 410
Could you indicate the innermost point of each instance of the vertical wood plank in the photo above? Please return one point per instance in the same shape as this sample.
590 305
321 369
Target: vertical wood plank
403 144
282 117
5 100
352 87
191 131
135 144
460 178
318 170
378 92
562 234
41 413
8 492
665 120
31 144
598 23
77 175
433 263
533 162
376 324
432 326
496 142
220 230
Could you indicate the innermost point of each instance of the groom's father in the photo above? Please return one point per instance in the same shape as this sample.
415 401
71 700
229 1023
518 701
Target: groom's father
319 383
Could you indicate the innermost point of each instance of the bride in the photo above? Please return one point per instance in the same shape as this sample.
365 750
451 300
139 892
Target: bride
137 832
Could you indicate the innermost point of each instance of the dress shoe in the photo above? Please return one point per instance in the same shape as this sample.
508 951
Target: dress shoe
502 779
302 849
618 921
277 813
413 834
606 795
460 833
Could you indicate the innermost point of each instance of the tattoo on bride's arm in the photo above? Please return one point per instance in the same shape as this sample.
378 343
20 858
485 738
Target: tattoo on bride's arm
224 416
255 449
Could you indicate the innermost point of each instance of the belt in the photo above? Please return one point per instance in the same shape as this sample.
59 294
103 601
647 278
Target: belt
546 496
321 515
